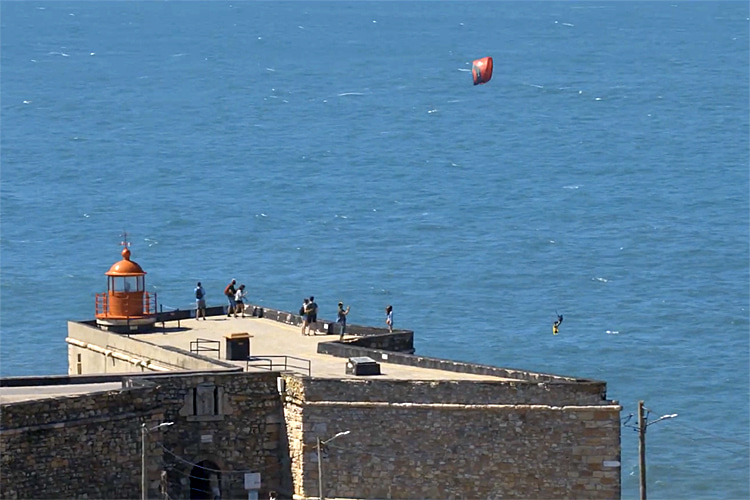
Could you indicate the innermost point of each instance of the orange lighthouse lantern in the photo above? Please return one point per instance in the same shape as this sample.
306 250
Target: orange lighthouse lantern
126 306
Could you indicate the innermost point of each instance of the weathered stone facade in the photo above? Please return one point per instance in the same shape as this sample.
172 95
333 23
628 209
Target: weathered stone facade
448 440
90 446
67 447
407 439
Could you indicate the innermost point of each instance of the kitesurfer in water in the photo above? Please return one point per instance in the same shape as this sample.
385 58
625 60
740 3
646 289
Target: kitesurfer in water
556 324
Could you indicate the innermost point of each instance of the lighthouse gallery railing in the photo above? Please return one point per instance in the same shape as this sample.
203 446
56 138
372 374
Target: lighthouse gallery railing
148 304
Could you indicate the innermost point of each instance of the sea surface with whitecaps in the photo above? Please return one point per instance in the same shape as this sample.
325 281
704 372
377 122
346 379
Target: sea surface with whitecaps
339 149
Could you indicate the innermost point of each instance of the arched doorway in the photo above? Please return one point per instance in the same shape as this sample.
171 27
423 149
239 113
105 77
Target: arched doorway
205 481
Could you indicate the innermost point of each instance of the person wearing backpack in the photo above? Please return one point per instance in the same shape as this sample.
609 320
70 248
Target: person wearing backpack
200 302
312 313
230 291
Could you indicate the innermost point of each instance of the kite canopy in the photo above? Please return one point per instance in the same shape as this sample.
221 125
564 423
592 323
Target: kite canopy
481 70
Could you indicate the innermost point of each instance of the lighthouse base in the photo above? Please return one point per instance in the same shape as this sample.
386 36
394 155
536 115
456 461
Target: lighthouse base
127 325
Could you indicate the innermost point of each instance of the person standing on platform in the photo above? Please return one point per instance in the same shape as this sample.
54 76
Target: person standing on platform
239 303
200 302
341 319
389 318
229 291
312 315
303 313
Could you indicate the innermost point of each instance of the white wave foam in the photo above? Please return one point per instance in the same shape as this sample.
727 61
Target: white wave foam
349 93
602 280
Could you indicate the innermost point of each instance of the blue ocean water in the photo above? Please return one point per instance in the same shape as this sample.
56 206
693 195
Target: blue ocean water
339 149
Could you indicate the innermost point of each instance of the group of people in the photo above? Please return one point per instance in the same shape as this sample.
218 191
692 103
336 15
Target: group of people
309 313
309 309
235 295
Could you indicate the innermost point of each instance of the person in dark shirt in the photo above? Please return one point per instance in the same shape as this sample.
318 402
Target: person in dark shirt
200 302
230 291
312 313
341 319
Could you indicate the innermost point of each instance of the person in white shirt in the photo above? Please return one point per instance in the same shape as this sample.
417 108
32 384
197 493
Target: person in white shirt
239 295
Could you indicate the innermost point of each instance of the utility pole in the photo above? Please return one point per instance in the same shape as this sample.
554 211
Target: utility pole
144 431
144 484
320 461
320 472
642 426
642 449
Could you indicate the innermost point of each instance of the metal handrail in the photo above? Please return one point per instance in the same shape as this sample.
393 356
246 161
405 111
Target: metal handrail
305 368
197 347
148 303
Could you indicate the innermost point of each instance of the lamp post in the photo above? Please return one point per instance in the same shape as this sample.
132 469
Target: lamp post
144 431
320 461
642 426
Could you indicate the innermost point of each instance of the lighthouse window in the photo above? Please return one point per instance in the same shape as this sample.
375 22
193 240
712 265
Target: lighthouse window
128 284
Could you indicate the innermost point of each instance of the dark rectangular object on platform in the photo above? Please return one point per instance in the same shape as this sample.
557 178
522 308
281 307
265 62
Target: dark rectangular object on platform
362 366
238 346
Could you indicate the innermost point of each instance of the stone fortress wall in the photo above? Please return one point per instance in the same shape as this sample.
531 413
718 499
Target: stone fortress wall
62 447
452 440
536 436
90 445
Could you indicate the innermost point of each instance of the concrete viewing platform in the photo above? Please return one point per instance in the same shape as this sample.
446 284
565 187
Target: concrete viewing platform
269 338
273 342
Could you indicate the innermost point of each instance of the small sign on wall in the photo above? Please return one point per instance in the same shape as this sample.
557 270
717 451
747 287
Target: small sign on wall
207 438
252 481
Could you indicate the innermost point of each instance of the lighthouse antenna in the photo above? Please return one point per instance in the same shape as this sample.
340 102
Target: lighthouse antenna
125 241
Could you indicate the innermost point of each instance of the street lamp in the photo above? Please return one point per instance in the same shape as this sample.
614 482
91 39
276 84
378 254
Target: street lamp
320 461
642 426
144 431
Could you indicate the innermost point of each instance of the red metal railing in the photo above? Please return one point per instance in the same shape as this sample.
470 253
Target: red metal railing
125 305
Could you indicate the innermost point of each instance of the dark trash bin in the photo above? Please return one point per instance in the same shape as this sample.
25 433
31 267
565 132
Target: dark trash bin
237 346
362 366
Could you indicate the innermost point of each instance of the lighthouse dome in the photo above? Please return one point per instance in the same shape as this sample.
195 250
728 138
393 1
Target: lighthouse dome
125 267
